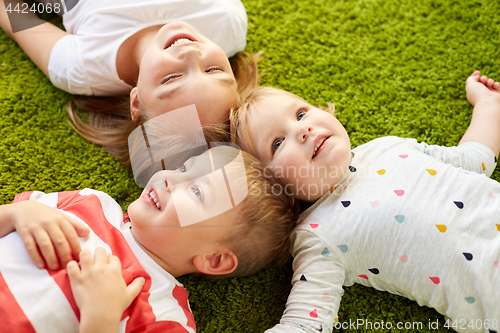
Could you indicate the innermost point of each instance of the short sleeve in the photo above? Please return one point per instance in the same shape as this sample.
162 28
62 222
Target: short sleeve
239 25
47 199
313 303
66 70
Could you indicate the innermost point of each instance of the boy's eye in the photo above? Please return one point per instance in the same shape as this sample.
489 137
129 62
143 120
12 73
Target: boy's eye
214 69
276 144
182 168
170 78
301 113
197 191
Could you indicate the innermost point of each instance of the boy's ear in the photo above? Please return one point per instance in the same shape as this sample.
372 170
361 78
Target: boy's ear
216 263
134 104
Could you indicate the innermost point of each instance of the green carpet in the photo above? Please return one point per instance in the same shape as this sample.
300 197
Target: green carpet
392 67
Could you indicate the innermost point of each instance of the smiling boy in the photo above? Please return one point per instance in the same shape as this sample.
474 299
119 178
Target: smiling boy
235 230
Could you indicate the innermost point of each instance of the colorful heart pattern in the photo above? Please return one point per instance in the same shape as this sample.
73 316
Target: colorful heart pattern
470 300
343 248
399 218
435 279
441 227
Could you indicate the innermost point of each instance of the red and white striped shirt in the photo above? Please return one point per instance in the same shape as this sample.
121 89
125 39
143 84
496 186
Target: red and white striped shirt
39 300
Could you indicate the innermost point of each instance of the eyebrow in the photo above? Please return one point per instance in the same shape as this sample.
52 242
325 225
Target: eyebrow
227 80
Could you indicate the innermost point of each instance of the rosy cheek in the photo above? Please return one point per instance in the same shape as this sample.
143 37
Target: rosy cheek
290 161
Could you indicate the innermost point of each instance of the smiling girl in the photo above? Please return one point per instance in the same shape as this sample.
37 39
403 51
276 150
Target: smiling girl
141 59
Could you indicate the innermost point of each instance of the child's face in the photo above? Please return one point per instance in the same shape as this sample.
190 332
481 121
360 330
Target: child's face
307 148
182 67
183 213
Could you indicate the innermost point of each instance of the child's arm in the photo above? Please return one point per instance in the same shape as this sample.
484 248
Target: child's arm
44 230
318 276
38 41
100 291
484 95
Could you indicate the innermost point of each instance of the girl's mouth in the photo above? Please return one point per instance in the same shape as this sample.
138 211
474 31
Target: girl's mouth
179 39
319 145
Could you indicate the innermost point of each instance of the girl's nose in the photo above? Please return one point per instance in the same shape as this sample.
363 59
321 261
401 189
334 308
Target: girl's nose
303 133
189 54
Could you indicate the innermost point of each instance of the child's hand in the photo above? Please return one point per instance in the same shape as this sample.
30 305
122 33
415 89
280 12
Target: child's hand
480 87
100 290
47 233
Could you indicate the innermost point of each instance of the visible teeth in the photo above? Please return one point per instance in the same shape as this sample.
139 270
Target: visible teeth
320 142
181 40
153 197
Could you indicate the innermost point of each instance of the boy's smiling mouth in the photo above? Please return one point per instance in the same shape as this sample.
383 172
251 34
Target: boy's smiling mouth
319 144
154 199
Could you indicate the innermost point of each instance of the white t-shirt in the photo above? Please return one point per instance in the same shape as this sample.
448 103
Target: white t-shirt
84 62
407 218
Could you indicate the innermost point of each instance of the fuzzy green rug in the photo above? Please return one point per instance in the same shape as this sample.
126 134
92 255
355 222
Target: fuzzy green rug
392 67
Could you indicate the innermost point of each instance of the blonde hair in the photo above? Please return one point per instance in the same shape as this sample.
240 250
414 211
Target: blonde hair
266 218
239 115
109 119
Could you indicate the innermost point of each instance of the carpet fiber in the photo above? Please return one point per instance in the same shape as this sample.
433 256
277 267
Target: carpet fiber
391 67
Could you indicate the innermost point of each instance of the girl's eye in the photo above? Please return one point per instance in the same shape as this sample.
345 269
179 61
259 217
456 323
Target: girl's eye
214 69
197 191
276 144
301 113
182 168
170 78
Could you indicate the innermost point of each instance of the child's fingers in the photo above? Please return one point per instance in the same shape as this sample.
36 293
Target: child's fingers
86 261
81 229
73 272
46 247
30 245
100 257
115 262
73 241
134 288
61 241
